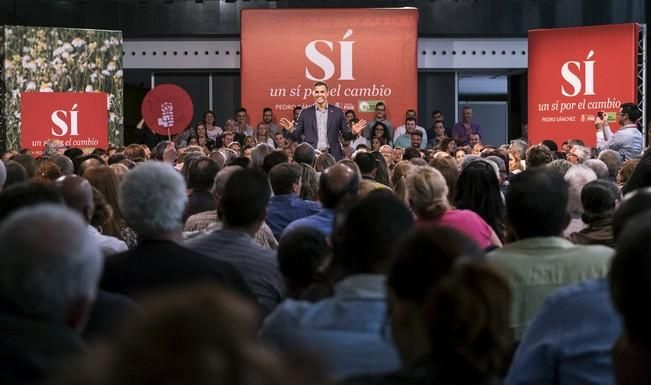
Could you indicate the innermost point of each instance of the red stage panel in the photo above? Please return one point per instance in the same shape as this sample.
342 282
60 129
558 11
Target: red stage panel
364 55
575 73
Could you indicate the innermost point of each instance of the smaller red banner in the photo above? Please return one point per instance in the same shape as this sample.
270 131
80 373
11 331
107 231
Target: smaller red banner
167 109
78 119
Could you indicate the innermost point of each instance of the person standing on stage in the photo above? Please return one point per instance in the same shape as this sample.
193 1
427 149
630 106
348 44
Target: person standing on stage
628 139
322 123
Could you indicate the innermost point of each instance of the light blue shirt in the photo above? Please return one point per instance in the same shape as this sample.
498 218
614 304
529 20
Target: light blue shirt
321 221
627 141
569 341
403 141
348 331
322 127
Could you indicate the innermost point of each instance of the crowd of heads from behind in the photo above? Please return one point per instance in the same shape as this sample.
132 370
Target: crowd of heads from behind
328 249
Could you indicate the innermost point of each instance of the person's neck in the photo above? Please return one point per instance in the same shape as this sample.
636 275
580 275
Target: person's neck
322 106
250 230
170 236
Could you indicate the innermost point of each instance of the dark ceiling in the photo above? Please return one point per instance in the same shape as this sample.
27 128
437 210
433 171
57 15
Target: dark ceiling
214 18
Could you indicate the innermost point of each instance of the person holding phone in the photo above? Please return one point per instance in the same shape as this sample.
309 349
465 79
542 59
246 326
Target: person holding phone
628 139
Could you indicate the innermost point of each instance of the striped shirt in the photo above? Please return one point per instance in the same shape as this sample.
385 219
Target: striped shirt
257 264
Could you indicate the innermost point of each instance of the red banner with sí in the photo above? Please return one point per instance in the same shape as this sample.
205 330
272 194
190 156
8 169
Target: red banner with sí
77 119
575 73
364 55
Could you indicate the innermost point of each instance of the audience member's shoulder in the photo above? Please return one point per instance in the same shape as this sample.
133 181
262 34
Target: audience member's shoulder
568 295
288 314
599 251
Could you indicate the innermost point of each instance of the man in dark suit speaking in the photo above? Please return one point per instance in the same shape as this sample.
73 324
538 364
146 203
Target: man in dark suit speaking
321 124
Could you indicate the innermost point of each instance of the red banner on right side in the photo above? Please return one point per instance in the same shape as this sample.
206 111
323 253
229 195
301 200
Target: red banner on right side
575 73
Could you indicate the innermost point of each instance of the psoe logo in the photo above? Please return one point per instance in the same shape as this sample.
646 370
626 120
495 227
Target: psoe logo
571 72
65 121
323 61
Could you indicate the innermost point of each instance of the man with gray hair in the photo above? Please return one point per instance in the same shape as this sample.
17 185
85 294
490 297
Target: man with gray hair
613 161
153 199
208 221
48 281
576 177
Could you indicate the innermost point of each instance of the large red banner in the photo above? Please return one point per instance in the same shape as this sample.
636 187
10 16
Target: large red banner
575 73
77 119
364 55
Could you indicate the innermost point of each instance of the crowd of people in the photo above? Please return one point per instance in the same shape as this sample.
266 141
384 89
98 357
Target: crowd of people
266 256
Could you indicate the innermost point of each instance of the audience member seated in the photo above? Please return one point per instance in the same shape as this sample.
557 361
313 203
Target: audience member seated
630 277
641 175
538 260
153 198
77 193
201 174
200 336
15 173
599 199
286 206
274 158
478 189
336 184
570 340
445 326
538 155
576 177
50 269
347 330
613 161
600 168
243 207
303 256
208 221
428 199
108 183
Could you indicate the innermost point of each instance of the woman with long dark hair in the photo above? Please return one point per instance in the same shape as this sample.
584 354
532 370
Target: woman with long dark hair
478 189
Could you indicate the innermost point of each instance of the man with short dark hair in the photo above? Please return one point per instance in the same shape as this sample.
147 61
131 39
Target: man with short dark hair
241 125
336 184
322 123
402 130
200 178
286 205
404 140
273 159
304 153
461 130
416 139
539 260
475 138
368 165
628 139
380 116
347 330
267 118
243 207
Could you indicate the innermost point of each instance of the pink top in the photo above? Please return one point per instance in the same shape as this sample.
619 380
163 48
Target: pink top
466 222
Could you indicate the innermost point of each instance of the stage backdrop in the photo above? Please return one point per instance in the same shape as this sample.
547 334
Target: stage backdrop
575 73
77 74
364 55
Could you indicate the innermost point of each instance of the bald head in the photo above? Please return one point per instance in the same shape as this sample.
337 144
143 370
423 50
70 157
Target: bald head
77 194
337 183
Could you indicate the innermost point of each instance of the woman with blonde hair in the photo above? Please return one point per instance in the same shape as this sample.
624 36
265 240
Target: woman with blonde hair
106 181
398 179
515 163
427 193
